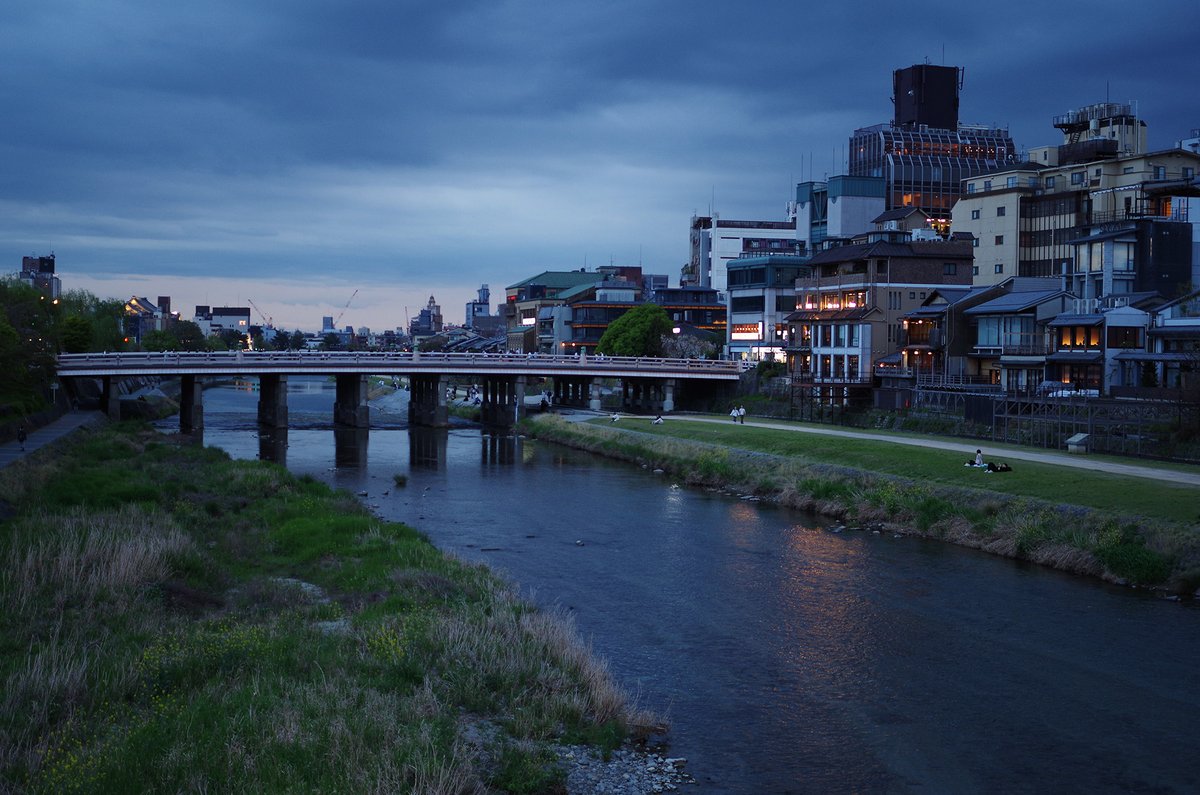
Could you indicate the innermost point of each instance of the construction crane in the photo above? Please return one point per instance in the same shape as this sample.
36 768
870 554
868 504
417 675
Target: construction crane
338 319
269 321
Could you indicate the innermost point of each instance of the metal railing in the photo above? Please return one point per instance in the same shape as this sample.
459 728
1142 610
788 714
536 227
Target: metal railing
381 361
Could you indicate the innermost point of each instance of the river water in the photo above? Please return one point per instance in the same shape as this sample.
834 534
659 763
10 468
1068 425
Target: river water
787 658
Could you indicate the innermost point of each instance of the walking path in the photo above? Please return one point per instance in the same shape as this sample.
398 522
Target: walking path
40 437
1181 477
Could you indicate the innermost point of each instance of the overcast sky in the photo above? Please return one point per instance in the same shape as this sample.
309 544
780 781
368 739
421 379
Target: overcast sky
292 152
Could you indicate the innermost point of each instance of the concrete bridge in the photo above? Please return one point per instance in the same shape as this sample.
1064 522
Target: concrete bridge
648 384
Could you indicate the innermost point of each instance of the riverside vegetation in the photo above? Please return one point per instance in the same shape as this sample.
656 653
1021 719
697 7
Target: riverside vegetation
172 619
1123 529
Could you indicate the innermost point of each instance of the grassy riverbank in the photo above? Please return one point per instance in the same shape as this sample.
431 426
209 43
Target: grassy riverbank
1120 528
171 620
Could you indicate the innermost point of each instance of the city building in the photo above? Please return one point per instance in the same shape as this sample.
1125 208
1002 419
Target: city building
850 305
841 206
1099 192
714 242
427 323
925 152
761 296
141 316
38 273
213 320
480 307
524 300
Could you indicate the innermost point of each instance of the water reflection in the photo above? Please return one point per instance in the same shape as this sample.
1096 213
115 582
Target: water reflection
350 447
498 448
427 447
273 444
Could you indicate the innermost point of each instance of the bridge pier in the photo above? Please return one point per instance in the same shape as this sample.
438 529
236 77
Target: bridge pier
350 402
427 401
594 394
272 401
573 392
191 404
503 400
110 398
648 396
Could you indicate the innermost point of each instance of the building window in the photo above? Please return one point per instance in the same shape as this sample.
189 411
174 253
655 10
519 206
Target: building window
1011 182
1077 177
1049 182
974 270
1188 172
999 240
970 187
950 269
1127 170
975 242
975 215
1096 173
912 295
1160 172
1000 211
999 267
987 184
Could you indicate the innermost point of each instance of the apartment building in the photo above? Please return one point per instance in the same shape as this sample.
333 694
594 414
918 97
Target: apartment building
1028 220
714 242
851 303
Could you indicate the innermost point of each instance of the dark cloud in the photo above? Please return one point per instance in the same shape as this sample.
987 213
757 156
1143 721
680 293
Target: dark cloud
454 143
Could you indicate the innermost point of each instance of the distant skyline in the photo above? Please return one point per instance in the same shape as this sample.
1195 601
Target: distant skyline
292 153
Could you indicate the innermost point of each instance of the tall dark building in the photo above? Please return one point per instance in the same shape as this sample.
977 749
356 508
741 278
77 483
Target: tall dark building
927 95
925 152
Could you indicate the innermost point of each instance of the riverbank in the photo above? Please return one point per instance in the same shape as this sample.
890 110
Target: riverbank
173 619
1117 547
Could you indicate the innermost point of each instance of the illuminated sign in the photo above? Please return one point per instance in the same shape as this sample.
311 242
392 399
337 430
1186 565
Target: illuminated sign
746 331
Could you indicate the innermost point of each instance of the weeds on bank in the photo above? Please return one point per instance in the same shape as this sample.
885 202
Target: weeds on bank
242 629
1081 540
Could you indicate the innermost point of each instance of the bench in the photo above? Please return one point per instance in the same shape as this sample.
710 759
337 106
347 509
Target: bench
1078 443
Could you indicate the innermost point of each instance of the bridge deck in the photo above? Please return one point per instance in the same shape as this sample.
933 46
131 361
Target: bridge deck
374 363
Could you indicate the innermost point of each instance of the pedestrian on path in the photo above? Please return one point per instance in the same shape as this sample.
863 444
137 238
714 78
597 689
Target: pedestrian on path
734 414
21 437
742 414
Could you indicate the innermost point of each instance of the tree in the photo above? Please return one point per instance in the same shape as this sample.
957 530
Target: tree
298 341
331 342
233 339
689 346
190 337
75 334
638 332
159 341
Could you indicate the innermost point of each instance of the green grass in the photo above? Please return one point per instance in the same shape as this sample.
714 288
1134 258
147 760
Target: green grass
240 629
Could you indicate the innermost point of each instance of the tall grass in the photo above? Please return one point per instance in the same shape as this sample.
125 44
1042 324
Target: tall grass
201 640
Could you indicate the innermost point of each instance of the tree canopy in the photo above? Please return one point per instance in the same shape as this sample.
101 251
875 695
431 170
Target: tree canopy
638 332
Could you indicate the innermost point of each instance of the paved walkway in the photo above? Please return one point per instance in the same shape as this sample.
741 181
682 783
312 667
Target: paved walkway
40 437
1009 452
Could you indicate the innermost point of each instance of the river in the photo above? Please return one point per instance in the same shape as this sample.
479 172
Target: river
787 658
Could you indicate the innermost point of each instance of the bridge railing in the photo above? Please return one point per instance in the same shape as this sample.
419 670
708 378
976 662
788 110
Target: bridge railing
366 359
